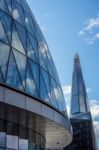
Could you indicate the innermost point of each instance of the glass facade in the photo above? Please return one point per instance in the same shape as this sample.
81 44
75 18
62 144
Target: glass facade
25 59
79 103
17 132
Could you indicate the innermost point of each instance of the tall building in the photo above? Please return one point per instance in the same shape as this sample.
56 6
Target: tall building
81 120
33 115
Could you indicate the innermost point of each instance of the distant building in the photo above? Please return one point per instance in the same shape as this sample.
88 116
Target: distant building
83 131
33 114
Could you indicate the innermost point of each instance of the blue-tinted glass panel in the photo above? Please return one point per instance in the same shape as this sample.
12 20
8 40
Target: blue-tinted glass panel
41 59
34 44
15 12
3 36
6 21
13 77
21 12
35 72
16 43
1 77
4 55
21 63
3 6
8 2
30 50
53 97
43 90
22 34
30 84
29 23
2 139
46 80
23 144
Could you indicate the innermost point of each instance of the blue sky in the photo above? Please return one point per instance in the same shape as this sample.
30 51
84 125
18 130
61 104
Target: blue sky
70 26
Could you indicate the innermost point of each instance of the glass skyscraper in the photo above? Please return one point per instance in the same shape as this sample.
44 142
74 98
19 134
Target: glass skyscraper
81 120
33 114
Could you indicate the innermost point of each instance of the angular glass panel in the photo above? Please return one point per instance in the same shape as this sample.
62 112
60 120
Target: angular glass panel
22 34
8 2
15 12
1 77
43 90
30 85
55 90
16 43
34 44
53 98
30 50
35 72
21 12
21 63
3 6
13 77
6 21
2 139
23 144
46 79
3 36
4 54
42 63
12 142
29 23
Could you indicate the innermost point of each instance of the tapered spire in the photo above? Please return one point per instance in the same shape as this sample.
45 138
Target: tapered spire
79 102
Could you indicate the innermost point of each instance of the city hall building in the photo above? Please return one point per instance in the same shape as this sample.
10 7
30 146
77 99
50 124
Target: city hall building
32 107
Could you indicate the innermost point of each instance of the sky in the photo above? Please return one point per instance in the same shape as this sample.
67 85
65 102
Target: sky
71 26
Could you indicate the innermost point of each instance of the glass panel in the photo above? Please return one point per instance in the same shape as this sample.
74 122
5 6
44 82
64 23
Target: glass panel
46 79
23 144
30 50
22 34
15 12
75 104
4 54
3 6
34 44
2 139
6 21
9 5
42 63
1 77
43 90
53 98
21 12
31 146
16 43
12 142
35 72
29 23
30 85
13 77
21 63
3 36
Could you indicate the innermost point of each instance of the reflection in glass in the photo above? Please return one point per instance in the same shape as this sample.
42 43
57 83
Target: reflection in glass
2 139
23 144
12 142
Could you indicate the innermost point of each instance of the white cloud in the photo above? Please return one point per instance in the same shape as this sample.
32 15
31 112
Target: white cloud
91 28
89 90
67 89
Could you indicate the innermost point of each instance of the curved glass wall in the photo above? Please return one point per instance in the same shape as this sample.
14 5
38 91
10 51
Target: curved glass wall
25 60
